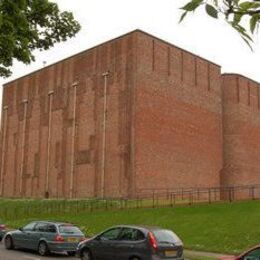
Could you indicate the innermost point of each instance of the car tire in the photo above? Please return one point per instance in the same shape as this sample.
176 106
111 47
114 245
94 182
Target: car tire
9 244
43 249
135 258
86 255
71 253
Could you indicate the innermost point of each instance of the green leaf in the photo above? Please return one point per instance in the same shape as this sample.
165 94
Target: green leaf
237 18
211 11
27 25
183 16
191 6
246 5
253 21
247 42
242 31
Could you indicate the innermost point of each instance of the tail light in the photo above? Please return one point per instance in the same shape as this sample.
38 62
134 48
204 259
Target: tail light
2 226
82 239
152 241
59 238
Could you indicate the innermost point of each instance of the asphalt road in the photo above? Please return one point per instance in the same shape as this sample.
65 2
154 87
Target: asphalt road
28 255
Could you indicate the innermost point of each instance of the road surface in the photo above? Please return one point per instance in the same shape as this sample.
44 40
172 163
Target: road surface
28 255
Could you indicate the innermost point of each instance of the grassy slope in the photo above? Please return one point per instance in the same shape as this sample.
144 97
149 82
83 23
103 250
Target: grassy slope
225 227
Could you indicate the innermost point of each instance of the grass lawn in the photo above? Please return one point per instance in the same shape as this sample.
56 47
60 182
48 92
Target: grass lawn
222 227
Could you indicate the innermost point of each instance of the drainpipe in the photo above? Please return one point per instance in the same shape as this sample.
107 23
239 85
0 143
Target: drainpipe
103 161
50 94
74 85
5 110
25 102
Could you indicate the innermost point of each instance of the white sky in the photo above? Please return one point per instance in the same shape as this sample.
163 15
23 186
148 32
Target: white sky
102 20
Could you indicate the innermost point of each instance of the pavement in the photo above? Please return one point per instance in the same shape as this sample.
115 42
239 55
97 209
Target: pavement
189 254
29 255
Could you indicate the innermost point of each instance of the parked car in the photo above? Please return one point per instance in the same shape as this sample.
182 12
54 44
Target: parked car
132 243
2 230
45 237
250 254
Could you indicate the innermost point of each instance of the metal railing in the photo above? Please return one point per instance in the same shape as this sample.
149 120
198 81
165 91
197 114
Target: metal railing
18 209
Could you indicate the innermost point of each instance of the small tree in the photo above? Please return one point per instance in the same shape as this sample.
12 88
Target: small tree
27 25
242 15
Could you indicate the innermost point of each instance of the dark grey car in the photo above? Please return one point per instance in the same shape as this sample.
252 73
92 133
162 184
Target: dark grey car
132 243
45 237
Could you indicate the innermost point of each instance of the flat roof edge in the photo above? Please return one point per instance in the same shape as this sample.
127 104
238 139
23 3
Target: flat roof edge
241 76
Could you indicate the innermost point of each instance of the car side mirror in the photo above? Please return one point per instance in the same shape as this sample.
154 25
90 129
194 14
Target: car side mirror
21 229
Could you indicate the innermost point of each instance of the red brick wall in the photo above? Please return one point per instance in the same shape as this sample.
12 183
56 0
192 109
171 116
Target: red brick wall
178 124
241 131
117 56
164 124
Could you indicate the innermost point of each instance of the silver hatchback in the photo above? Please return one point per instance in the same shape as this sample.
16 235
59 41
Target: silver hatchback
45 237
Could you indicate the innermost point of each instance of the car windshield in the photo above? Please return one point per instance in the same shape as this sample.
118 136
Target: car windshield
68 229
166 236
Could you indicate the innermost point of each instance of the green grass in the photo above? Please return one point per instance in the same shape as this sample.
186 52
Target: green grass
190 257
223 227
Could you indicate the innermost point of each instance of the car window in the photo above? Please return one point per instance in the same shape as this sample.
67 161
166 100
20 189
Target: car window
69 229
51 228
162 235
252 255
131 234
41 227
29 227
111 234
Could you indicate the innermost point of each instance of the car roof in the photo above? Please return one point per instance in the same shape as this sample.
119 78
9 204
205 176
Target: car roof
250 249
52 222
143 227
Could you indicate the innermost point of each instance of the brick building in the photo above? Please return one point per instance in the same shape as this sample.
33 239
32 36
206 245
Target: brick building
132 114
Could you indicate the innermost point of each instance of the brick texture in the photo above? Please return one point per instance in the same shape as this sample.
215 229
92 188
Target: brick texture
170 122
241 131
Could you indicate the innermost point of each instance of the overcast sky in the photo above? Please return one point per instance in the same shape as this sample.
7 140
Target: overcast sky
102 20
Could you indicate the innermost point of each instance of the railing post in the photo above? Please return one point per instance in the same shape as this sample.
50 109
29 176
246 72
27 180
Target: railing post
230 194
190 198
253 193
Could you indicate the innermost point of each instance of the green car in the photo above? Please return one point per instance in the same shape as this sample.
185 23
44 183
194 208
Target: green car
45 237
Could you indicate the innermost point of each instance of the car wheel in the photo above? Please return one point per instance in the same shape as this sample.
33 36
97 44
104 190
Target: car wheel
135 258
71 253
43 249
86 255
9 244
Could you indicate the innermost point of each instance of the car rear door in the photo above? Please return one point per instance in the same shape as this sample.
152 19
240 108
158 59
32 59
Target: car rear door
132 242
39 233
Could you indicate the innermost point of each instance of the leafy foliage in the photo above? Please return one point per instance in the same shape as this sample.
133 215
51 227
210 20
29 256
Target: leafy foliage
242 15
27 25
